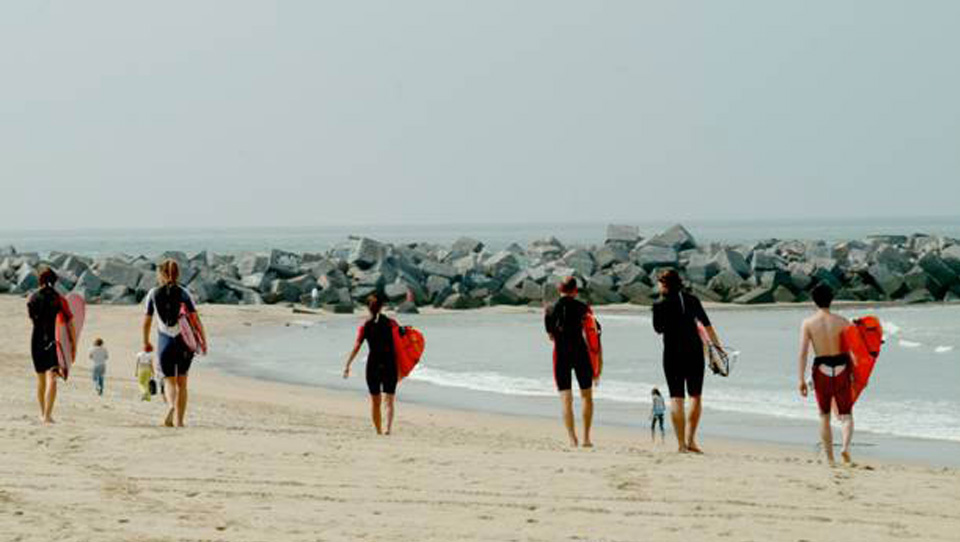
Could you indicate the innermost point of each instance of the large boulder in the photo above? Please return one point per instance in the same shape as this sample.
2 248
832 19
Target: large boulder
611 254
934 266
701 268
893 258
116 272
637 293
651 257
88 285
71 267
440 269
502 265
5 285
782 294
766 260
118 295
676 237
248 264
951 257
627 273
461 302
26 279
727 284
285 264
366 253
889 282
921 295
465 245
619 233
732 260
546 249
437 285
580 260
258 281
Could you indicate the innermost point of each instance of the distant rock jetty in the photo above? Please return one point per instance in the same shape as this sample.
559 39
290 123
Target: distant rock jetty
909 268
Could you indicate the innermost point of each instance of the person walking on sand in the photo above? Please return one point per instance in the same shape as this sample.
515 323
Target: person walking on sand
565 322
144 373
675 317
382 373
43 307
167 300
832 370
658 409
99 356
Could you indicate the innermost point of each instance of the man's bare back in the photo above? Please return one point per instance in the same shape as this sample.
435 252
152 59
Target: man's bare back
823 330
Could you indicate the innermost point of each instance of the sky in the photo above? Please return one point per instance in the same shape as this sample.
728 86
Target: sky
245 113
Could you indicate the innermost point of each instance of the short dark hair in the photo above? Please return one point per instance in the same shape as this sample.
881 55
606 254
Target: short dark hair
822 295
98 342
568 285
375 303
671 278
47 276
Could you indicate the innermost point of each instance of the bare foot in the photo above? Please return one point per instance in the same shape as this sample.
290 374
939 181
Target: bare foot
587 444
682 449
48 420
694 449
846 459
574 443
168 421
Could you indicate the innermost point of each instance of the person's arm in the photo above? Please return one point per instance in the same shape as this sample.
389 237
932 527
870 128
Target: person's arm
804 352
147 324
353 353
701 315
658 323
194 316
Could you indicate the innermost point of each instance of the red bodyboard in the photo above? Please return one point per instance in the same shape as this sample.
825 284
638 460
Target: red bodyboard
408 346
863 340
591 330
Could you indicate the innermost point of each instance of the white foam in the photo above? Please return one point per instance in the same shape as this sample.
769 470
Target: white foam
909 344
943 349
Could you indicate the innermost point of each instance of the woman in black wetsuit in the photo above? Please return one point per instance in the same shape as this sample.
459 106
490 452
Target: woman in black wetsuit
44 306
675 317
382 373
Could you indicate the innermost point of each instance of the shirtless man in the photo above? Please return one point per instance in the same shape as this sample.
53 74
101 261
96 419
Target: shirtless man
832 370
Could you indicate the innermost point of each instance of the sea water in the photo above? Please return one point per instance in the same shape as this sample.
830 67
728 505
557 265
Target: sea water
152 242
500 361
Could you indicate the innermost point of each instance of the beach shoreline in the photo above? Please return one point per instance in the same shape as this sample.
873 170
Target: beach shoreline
263 460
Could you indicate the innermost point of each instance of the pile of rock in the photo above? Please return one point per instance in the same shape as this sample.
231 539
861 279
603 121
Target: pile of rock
913 269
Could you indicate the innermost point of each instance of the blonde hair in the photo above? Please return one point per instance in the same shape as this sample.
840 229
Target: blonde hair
168 272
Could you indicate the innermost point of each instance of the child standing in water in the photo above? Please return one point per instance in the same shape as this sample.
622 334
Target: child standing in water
656 415
145 373
99 356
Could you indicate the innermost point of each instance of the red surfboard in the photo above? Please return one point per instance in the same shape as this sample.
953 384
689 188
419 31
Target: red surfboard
408 346
863 340
78 308
591 329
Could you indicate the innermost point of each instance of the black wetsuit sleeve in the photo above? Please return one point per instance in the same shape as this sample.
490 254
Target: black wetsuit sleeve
658 318
548 321
699 313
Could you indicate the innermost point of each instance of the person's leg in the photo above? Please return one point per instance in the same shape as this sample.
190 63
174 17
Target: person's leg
42 393
566 400
826 436
653 428
375 412
678 418
847 421
50 397
388 403
170 392
663 436
587 407
693 421
181 399
101 372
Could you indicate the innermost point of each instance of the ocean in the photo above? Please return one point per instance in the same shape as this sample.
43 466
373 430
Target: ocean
152 242
500 361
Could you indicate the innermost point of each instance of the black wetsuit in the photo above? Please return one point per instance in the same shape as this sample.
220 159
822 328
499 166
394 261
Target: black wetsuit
564 322
675 317
381 361
44 306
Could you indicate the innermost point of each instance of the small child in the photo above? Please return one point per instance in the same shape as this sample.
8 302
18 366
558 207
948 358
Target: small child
99 356
656 414
145 372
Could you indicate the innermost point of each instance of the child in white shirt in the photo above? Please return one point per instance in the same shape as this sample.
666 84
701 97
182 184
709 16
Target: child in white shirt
145 373
99 356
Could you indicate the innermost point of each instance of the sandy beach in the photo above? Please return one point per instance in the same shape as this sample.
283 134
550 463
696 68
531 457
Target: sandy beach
263 461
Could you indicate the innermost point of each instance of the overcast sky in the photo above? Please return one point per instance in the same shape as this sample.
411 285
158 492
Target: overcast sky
250 113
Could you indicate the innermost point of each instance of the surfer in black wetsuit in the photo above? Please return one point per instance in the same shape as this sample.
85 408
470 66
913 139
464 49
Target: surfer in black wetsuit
44 306
675 317
382 375
564 322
